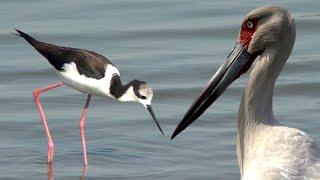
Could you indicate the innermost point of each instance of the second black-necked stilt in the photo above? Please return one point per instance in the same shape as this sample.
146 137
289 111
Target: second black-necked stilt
90 73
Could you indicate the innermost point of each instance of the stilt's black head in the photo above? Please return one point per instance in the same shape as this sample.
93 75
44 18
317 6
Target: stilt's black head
137 91
142 91
144 95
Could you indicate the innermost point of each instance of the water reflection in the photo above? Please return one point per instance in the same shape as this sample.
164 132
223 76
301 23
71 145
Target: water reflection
50 172
84 172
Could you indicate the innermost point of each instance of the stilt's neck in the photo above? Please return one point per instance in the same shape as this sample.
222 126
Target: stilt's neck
127 92
119 91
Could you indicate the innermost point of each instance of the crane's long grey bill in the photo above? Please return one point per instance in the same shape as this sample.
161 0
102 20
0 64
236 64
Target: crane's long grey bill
238 62
154 118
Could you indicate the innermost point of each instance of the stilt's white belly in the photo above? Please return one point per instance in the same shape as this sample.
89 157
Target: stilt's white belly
99 87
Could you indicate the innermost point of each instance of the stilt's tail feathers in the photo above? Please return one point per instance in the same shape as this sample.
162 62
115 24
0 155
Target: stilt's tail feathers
28 38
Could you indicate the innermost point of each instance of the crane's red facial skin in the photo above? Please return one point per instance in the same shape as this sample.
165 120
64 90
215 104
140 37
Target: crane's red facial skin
247 30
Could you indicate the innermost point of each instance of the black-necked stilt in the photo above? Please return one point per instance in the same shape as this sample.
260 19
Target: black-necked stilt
90 73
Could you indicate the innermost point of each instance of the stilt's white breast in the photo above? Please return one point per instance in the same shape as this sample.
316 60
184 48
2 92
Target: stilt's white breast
99 87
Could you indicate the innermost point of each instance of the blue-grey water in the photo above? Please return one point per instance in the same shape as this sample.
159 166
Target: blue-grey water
174 45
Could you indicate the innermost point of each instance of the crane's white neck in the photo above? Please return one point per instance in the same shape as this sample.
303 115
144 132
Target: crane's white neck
255 110
256 103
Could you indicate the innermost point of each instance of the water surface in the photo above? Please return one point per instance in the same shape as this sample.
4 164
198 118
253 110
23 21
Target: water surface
174 45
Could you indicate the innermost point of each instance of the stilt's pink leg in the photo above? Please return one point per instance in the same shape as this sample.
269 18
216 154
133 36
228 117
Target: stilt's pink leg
36 95
82 125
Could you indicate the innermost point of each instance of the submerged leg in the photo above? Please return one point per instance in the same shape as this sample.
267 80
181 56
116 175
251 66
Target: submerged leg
36 95
82 126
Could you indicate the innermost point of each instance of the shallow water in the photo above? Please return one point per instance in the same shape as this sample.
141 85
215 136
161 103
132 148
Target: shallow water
175 46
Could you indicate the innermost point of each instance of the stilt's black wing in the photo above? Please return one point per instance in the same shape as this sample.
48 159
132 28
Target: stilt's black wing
89 63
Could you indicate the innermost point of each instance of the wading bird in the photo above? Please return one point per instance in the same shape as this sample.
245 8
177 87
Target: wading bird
89 73
265 148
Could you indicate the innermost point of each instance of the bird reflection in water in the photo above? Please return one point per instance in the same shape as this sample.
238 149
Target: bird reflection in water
50 172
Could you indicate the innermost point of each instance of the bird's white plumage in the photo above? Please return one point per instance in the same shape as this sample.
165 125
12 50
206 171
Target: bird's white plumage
99 87
265 148
128 95
279 152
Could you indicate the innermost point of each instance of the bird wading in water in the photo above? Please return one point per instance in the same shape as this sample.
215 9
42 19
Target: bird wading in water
89 73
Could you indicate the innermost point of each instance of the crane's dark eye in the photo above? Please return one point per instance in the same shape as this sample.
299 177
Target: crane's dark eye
250 24
143 97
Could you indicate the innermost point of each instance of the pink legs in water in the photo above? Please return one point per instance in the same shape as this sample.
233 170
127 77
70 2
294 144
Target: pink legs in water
82 126
50 172
36 95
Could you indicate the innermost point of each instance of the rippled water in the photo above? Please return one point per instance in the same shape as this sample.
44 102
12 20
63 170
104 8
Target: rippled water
175 45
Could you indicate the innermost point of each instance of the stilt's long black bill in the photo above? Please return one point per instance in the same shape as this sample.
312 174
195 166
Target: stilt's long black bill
154 118
237 63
